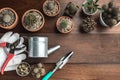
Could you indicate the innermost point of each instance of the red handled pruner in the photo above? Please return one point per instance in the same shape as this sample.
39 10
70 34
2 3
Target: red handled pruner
11 52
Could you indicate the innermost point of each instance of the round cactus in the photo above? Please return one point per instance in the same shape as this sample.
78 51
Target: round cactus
50 5
72 8
30 19
6 18
64 24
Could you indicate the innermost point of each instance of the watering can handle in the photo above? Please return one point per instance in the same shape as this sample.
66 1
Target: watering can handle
53 49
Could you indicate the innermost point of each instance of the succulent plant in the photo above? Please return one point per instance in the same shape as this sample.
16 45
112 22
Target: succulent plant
71 9
91 6
30 19
23 69
50 5
51 8
111 14
7 17
88 25
64 24
115 11
38 70
111 22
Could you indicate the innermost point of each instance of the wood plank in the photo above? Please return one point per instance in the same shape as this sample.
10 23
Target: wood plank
76 72
88 48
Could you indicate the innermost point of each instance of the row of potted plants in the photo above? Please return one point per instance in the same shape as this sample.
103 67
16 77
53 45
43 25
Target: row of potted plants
33 20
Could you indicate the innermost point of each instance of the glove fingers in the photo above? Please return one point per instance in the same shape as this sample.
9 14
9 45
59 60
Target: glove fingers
20 51
14 61
10 68
6 36
2 56
13 38
21 42
19 57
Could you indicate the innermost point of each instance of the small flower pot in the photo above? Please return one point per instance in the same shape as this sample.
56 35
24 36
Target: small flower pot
33 20
104 24
85 12
23 69
51 10
61 25
8 18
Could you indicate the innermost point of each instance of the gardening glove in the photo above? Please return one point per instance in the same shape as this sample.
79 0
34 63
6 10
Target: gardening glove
11 37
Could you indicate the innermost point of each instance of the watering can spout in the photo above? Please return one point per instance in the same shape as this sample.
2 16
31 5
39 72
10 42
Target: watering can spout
53 49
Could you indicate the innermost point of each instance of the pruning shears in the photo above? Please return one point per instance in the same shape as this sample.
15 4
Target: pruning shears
10 55
59 65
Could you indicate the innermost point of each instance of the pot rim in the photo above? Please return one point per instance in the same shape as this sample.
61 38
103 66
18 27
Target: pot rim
57 11
64 17
15 22
87 12
28 66
104 24
35 10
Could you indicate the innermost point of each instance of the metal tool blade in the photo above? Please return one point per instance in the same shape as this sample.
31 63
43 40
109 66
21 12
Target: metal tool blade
64 60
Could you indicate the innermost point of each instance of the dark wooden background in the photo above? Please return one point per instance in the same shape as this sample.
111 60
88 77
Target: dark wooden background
97 55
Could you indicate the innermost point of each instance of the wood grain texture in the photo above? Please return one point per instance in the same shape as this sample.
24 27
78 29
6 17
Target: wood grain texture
88 48
101 47
76 72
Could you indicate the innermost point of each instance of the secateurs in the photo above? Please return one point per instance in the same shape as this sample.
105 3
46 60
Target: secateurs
59 65
11 52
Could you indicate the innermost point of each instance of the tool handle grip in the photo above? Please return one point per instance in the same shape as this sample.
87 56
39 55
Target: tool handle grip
47 76
3 44
9 57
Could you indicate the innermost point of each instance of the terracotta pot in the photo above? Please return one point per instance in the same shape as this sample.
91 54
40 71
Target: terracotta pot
15 22
104 24
52 14
33 10
87 12
57 24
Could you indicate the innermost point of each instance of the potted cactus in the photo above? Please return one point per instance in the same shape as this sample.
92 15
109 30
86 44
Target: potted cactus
64 24
8 18
51 7
90 7
33 20
71 9
111 15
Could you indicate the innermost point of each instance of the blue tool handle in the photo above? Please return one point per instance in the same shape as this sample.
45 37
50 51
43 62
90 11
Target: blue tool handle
47 76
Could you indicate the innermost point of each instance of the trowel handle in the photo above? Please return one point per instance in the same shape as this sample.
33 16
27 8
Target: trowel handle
47 76
53 49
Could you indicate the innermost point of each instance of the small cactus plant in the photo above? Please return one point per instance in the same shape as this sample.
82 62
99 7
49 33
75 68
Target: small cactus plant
7 17
50 5
33 20
30 19
111 14
71 9
64 24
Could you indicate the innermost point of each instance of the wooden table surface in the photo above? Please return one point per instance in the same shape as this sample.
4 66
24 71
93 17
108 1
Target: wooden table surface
97 55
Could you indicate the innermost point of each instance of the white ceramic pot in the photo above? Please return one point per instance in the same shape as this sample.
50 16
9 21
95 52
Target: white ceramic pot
87 12
104 24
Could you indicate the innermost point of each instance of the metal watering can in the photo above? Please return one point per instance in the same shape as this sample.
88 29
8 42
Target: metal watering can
38 47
